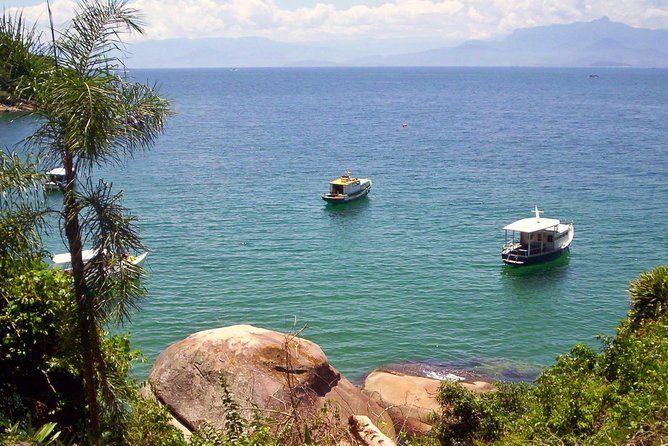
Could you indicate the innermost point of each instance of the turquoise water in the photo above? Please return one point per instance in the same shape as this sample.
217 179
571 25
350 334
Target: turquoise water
229 201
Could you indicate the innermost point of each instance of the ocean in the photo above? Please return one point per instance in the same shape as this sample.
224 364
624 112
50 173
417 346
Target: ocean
229 204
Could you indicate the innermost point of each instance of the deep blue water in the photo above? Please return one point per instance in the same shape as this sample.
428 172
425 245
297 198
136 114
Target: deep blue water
229 201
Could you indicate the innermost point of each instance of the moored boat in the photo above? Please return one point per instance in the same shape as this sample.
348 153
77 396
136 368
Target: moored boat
540 240
346 188
64 261
55 179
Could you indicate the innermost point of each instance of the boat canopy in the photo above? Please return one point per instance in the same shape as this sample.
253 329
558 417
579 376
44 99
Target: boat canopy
532 224
342 181
57 171
87 254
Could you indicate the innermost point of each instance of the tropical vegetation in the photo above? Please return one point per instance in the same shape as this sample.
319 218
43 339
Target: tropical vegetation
616 396
22 59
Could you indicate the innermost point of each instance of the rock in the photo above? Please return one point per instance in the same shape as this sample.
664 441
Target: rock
260 368
146 392
366 433
410 400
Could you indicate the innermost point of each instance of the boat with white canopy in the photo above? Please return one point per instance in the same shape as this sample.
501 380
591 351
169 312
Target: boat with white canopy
347 188
55 179
64 261
535 240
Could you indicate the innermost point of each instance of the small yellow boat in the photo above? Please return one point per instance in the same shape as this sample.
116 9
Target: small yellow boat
346 188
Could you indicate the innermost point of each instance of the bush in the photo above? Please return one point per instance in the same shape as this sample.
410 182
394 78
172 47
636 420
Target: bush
618 396
22 59
38 377
470 417
128 418
649 296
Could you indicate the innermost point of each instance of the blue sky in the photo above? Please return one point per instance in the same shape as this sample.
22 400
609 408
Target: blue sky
313 20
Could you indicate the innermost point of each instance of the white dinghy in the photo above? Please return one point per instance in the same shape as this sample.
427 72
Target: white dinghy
64 261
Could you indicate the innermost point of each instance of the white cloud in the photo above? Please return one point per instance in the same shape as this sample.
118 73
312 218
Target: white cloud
433 19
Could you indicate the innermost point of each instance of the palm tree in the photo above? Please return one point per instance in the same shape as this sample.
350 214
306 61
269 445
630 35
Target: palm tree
22 208
649 296
92 116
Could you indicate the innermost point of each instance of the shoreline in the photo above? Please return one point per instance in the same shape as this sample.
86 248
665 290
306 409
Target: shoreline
21 107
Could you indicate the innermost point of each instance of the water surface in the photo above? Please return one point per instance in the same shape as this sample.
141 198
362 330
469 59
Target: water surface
229 204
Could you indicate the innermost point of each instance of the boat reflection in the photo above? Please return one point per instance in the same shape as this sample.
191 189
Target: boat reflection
542 279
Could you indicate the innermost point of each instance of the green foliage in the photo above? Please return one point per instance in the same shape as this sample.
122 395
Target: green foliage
649 296
237 431
618 396
234 422
569 396
43 436
469 417
207 435
38 377
127 417
150 426
22 206
21 56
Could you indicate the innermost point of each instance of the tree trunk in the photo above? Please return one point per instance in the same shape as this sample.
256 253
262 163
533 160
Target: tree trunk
84 308
101 367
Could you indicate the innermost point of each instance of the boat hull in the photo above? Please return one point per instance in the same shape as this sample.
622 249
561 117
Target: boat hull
513 260
346 198
51 185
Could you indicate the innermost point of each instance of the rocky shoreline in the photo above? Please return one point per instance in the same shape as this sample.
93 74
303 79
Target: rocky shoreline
289 378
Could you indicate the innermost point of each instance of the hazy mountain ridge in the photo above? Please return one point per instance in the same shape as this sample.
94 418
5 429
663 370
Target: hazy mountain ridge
597 43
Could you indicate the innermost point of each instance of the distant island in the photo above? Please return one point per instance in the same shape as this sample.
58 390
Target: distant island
599 43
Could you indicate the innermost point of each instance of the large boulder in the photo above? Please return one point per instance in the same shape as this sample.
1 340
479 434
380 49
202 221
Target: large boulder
411 400
273 372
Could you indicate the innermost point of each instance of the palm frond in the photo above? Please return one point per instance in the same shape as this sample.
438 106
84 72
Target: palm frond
21 183
113 282
142 117
100 120
92 44
22 208
649 296
20 232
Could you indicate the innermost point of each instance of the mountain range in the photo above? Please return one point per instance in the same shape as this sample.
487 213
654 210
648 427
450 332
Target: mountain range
597 43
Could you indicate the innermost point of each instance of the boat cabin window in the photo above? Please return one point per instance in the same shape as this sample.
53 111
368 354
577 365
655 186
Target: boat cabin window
550 239
337 189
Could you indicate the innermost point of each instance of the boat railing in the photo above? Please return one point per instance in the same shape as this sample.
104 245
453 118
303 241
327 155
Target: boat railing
518 249
511 246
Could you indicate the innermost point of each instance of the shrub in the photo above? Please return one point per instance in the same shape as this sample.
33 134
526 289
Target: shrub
618 396
470 417
38 377
649 296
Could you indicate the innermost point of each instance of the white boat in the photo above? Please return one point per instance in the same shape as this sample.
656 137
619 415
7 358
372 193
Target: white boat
347 188
55 179
538 240
64 261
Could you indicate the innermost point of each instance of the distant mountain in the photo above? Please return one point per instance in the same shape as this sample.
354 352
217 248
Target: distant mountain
597 43
261 52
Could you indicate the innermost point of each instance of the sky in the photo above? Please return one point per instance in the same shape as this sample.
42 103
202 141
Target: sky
318 20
